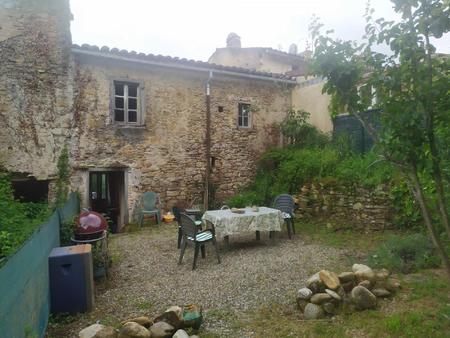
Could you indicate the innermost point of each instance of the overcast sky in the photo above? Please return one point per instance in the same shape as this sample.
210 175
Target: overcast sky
195 28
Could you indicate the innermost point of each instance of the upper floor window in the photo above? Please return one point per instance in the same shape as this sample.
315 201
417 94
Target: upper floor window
244 115
127 109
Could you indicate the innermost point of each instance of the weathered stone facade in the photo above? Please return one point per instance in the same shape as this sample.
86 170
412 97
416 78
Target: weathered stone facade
350 205
35 84
53 93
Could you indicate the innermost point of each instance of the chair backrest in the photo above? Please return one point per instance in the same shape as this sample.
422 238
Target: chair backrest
224 207
176 212
188 226
284 203
149 200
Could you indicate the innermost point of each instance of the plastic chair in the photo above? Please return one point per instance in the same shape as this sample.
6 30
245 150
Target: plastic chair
191 233
177 212
286 204
148 203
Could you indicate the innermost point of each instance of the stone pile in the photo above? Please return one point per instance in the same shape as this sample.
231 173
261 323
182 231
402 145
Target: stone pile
326 292
170 324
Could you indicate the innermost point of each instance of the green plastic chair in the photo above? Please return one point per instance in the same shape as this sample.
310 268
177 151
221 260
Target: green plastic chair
149 200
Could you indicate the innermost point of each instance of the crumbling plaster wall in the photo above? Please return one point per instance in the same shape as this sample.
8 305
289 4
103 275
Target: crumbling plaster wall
168 154
35 84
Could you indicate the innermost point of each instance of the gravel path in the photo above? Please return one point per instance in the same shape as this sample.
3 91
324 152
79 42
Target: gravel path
145 277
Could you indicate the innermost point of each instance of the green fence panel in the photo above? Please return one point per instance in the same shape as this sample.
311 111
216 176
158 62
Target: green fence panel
24 280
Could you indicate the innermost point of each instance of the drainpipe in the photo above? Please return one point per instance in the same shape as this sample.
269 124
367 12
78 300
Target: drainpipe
208 141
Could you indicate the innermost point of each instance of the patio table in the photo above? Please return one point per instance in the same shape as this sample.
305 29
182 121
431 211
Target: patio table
228 223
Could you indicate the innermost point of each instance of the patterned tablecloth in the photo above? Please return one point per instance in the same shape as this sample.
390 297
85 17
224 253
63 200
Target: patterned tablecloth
229 223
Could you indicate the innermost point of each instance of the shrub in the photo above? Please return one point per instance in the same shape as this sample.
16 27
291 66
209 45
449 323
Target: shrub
301 133
405 254
17 220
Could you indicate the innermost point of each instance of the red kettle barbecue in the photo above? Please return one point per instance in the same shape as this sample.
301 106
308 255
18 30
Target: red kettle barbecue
89 225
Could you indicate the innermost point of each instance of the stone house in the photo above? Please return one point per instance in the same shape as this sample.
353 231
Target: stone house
132 122
306 94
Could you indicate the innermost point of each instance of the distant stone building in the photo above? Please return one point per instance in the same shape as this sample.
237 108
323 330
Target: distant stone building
306 95
132 122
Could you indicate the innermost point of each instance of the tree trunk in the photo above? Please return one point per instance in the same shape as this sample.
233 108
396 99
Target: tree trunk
418 194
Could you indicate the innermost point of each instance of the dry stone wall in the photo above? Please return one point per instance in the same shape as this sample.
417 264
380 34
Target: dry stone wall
352 205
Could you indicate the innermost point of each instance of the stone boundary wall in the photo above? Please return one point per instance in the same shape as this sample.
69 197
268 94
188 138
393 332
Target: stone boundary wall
358 207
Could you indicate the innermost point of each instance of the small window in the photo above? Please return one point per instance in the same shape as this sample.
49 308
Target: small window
126 103
220 109
244 117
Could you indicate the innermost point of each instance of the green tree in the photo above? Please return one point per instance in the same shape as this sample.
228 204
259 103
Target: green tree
411 87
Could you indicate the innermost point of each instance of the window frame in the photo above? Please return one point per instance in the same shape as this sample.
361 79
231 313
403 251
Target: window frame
139 102
240 118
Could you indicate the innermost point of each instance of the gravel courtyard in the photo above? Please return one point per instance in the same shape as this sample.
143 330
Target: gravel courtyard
145 278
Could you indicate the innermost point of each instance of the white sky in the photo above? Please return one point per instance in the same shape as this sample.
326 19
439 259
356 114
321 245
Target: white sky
195 28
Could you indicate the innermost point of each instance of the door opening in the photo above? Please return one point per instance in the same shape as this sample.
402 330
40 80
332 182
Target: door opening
107 196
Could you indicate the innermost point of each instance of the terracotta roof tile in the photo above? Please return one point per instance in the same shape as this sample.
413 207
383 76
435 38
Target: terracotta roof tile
182 61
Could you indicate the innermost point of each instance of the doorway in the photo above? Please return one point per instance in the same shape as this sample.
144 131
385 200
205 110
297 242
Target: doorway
107 196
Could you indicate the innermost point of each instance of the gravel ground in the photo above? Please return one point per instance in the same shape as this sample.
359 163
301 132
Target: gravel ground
145 278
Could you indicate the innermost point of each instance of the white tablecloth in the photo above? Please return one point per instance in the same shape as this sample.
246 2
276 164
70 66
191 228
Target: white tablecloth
229 223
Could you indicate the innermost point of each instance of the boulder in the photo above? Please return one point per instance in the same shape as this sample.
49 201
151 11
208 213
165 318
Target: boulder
381 292
330 279
161 330
304 293
313 311
180 334
106 332
345 277
320 298
170 318
381 275
90 331
365 275
366 283
359 267
348 286
142 320
392 284
313 282
333 294
133 330
178 310
363 298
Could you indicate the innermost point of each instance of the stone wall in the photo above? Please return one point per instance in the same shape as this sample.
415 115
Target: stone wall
167 155
35 84
346 205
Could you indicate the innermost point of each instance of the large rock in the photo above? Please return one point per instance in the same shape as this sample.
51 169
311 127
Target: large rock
304 293
170 318
302 304
348 286
133 330
161 330
366 283
314 283
345 277
90 331
178 311
142 320
363 272
330 279
106 332
363 298
381 292
333 294
313 311
320 298
381 275
180 334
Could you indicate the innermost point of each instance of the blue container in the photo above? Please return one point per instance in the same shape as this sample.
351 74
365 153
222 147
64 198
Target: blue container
71 279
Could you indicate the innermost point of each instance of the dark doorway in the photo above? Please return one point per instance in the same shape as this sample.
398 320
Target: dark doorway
106 195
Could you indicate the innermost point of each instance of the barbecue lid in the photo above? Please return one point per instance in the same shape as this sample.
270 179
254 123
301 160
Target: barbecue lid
89 222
